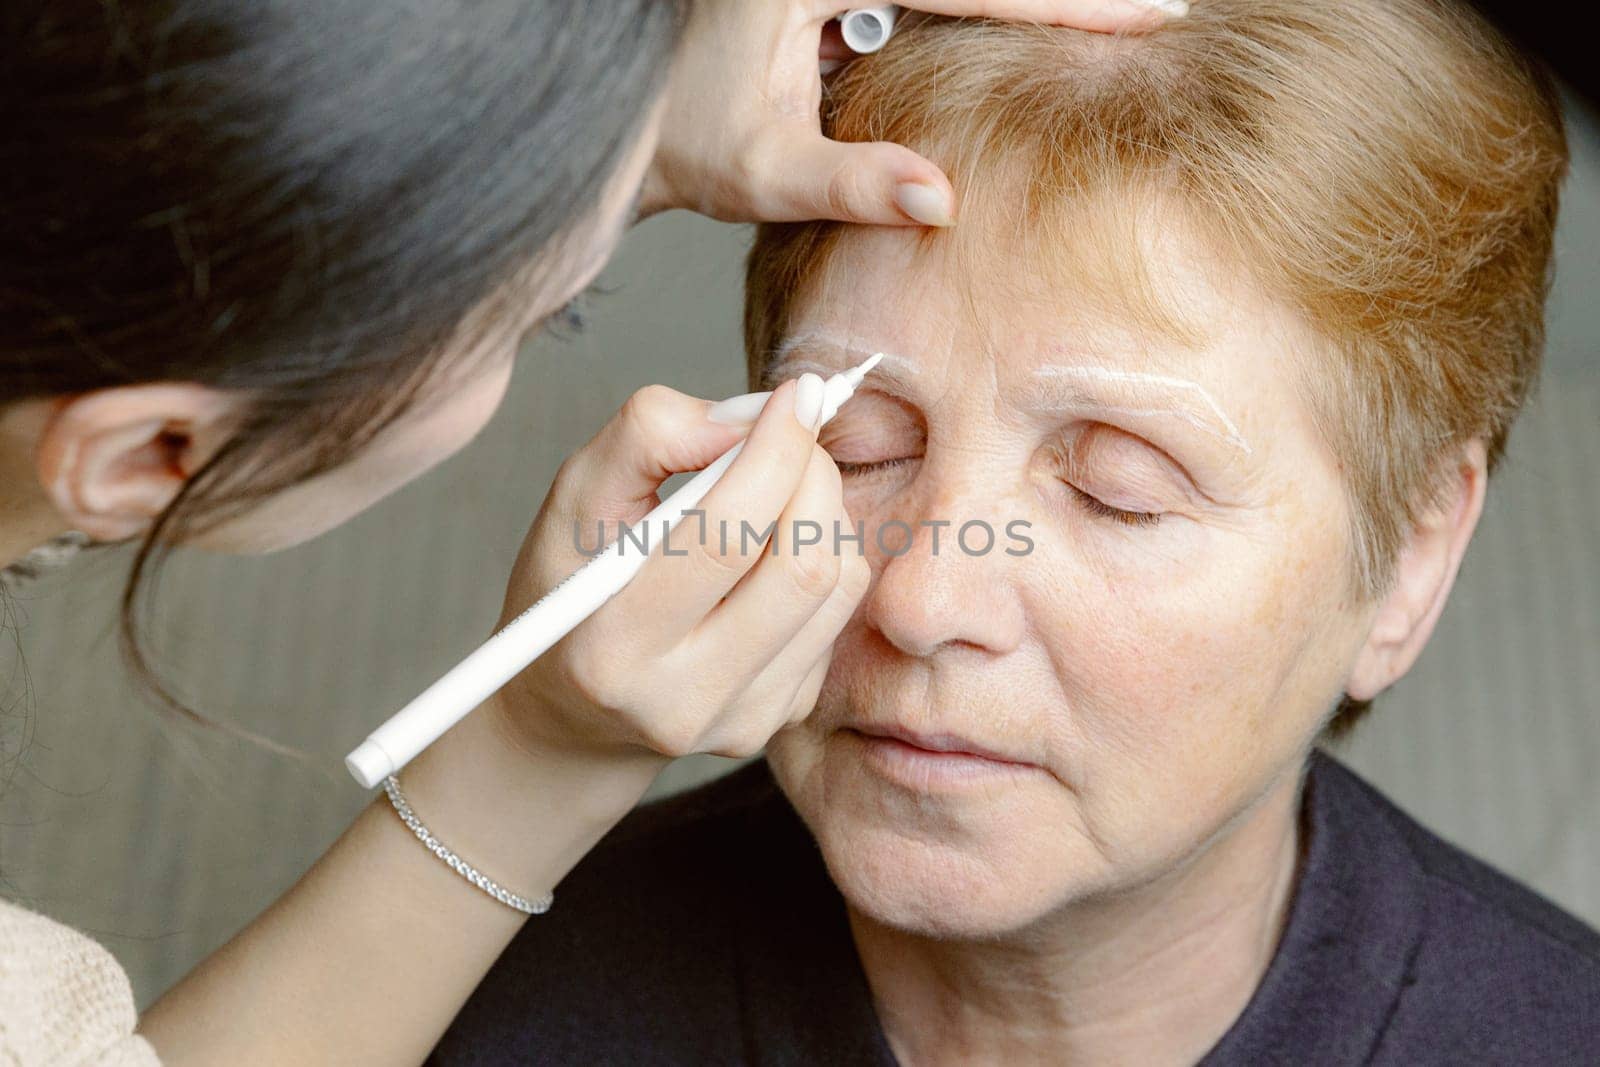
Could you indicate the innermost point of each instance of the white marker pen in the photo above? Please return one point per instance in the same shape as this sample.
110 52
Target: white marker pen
531 634
867 29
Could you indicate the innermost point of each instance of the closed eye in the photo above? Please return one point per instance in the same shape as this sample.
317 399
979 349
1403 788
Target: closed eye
875 467
570 318
1096 506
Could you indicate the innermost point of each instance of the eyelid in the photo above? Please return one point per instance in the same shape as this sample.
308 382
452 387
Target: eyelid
880 448
1149 455
1142 481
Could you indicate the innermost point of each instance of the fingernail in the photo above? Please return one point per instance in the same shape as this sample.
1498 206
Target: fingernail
1175 8
927 205
808 400
739 410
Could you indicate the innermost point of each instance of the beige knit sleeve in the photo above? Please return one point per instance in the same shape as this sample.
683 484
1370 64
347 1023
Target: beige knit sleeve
63 999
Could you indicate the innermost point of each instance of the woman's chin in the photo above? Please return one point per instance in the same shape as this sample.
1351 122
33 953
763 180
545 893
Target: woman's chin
931 890
942 857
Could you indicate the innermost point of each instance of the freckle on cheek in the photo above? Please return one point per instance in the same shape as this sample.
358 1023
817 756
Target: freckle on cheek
1269 607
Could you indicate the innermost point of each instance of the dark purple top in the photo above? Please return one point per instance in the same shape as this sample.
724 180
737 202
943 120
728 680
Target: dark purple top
704 930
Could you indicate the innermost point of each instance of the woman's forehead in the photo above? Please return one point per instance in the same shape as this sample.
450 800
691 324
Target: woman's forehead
1157 290
929 318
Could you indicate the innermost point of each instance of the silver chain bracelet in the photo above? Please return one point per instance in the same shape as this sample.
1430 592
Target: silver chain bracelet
391 786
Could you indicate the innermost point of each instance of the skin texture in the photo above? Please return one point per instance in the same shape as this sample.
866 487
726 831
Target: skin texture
1115 891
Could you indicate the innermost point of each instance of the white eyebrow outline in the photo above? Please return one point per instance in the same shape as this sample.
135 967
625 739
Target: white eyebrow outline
899 365
1233 436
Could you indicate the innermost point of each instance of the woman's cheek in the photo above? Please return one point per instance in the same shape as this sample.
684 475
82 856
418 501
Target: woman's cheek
866 497
877 507
1227 686
1160 636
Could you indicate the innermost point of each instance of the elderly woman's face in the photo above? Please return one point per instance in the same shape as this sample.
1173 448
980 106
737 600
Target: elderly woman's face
1117 698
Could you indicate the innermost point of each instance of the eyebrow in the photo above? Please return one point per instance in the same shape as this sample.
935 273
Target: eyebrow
785 363
1200 410
1194 404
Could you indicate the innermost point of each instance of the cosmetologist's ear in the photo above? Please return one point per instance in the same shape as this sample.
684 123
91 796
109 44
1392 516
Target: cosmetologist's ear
111 460
1423 577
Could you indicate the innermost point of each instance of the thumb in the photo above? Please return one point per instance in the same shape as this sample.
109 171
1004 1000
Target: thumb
878 183
659 432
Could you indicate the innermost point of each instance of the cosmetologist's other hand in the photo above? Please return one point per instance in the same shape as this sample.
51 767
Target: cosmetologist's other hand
741 139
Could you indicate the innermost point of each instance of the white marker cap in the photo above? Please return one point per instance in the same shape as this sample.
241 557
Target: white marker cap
369 764
867 29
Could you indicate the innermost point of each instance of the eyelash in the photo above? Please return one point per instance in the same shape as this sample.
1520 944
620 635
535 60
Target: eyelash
847 469
1093 505
569 320
1096 506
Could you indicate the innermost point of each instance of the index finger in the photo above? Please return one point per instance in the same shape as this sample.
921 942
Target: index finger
1104 16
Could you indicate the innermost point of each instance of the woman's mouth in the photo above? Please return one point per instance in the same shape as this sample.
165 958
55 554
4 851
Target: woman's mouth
928 762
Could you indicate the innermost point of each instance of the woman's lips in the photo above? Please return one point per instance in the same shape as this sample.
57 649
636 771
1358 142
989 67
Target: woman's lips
927 762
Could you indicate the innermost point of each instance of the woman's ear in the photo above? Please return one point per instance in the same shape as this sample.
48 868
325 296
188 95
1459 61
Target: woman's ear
111 460
1424 575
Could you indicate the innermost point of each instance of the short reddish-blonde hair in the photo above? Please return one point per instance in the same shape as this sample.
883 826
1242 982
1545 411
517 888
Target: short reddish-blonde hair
1387 169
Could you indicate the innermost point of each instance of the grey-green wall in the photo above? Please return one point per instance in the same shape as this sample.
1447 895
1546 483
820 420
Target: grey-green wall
161 842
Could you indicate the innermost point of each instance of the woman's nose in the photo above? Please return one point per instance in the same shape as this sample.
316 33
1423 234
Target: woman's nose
946 579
